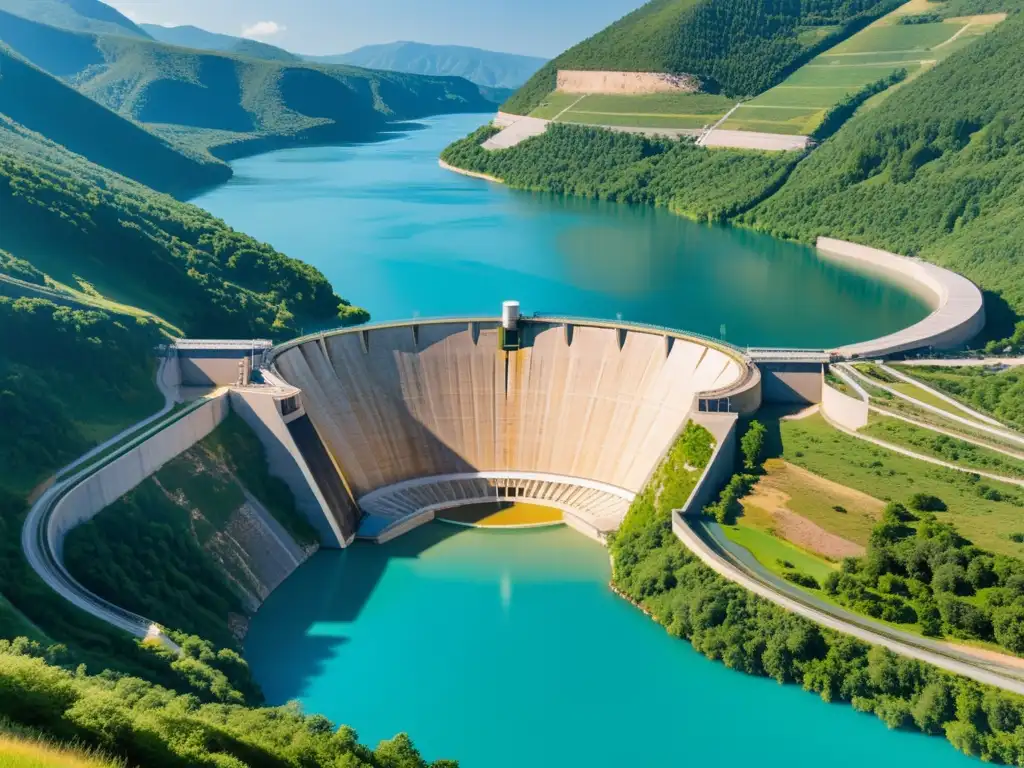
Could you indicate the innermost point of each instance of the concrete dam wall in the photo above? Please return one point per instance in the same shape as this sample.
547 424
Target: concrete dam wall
593 401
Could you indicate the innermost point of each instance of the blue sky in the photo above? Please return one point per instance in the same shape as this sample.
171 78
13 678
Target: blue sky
535 27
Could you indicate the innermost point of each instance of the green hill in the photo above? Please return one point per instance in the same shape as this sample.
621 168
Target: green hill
937 173
488 68
188 36
48 106
92 230
738 47
227 100
77 15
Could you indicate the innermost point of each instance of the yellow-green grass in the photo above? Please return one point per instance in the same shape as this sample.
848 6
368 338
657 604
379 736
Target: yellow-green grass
495 514
31 753
554 103
944 447
838 509
985 511
908 389
866 59
678 122
645 110
890 36
793 121
771 551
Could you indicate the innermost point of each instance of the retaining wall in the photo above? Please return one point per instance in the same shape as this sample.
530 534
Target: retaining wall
847 411
584 81
285 461
721 465
108 484
958 310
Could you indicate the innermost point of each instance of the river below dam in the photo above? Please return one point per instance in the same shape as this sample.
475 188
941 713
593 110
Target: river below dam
402 237
505 649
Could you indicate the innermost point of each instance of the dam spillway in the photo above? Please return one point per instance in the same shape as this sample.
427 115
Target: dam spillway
575 414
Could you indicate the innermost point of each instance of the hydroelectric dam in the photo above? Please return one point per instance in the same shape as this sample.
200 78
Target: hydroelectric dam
380 428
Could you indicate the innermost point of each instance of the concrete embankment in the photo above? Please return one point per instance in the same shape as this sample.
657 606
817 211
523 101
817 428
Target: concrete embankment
958 311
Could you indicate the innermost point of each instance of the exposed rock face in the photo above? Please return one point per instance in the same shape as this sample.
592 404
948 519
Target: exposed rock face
624 83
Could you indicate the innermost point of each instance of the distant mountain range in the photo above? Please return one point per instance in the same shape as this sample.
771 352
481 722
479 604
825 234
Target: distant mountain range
221 102
194 37
489 68
495 71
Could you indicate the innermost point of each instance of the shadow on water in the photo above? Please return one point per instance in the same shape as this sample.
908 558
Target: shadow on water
348 578
316 629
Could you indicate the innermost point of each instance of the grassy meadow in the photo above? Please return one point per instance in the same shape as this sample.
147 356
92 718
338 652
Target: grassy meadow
799 104
646 110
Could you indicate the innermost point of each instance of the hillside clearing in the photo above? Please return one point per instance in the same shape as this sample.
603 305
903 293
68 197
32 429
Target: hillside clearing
649 110
867 57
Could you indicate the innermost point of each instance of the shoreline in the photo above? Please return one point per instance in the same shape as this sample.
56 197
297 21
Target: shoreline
472 174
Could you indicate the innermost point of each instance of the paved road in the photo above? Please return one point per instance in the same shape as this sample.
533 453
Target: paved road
43 556
952 362
717 555
983 427
940 395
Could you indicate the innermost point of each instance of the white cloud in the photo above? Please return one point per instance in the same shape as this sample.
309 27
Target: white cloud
263 29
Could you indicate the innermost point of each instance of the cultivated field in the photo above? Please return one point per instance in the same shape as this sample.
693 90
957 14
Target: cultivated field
654 110
798 104
986 512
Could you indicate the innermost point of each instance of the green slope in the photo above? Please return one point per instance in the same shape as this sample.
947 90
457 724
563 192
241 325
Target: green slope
262 103
77 15
740 47
91 229
48 106
938 173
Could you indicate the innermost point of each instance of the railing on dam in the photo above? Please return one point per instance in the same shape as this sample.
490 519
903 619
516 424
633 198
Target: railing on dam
536 317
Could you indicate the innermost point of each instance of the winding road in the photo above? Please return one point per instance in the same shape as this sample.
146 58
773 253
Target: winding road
42 554
719 555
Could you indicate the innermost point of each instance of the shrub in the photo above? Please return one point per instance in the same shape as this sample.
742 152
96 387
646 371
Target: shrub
801 579
925 502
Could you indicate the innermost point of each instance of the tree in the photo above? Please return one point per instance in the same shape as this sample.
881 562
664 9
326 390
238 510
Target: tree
1008 627
926 502
752 445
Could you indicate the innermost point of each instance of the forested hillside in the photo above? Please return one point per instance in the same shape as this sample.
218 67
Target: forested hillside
589 162
48 106
738 47
229 100
938 172
88 228
487 68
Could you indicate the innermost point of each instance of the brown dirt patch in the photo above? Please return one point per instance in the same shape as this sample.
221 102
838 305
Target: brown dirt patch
801 507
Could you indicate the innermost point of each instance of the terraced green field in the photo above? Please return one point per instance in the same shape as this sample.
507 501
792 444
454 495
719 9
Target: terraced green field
648 110
800 102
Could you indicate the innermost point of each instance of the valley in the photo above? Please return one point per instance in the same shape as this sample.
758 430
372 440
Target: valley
754 384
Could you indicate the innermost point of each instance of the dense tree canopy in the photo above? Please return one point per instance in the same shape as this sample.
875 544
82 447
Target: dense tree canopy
590 162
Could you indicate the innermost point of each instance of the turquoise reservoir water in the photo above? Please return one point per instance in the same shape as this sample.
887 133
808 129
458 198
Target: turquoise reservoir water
400 236
508 650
